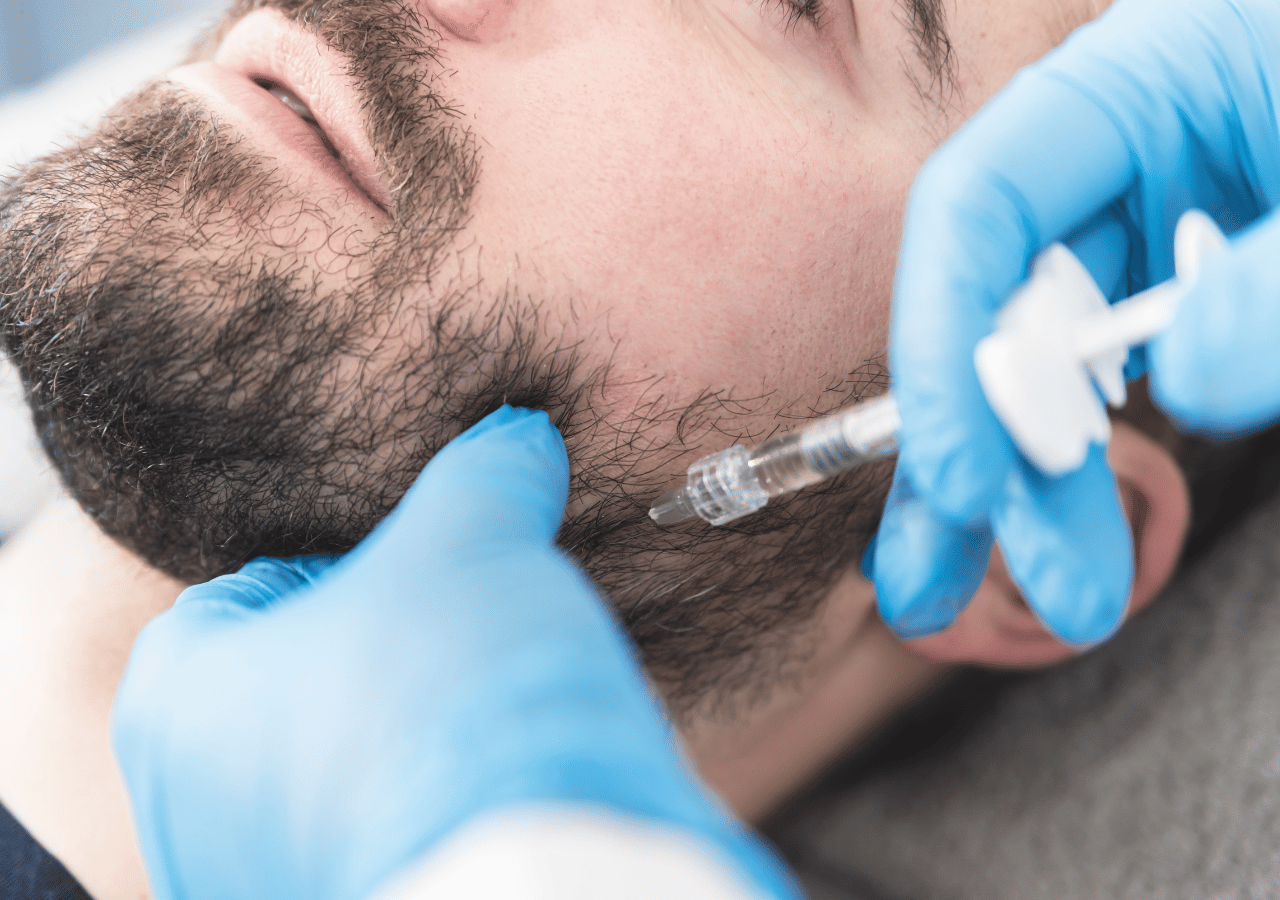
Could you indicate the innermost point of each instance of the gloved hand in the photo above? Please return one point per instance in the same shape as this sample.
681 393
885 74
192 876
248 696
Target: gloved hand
1157 107
309 729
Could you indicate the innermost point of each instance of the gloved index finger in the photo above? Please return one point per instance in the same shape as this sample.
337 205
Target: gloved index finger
981 208
504 482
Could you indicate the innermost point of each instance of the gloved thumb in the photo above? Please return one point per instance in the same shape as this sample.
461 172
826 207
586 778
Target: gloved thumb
1215 368
258 586
204 610
925 568
502 484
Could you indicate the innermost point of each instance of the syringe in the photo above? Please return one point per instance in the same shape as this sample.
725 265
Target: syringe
1057 343
733 483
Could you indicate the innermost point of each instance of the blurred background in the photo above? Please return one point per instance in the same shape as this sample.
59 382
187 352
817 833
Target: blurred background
39 37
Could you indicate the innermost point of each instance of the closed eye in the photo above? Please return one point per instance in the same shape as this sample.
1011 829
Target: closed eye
800 11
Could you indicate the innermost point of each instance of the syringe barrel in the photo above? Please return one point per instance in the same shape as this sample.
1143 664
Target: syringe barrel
838 443
847 440
736 482
780 466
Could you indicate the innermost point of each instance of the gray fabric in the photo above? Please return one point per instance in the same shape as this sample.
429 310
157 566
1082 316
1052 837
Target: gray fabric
1149 768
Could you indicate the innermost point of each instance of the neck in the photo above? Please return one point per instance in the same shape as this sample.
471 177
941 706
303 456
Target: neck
856 675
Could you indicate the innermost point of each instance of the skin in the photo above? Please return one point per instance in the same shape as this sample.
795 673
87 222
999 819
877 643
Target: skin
652 168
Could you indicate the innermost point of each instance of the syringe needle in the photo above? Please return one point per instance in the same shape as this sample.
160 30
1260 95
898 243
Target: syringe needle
673 507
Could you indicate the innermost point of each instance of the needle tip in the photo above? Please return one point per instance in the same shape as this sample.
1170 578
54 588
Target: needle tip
672 507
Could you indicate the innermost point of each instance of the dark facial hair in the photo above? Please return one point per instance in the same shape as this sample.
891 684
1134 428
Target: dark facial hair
206 401
926 22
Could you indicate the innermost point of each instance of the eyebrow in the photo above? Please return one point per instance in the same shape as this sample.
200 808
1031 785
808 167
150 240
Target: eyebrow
926 21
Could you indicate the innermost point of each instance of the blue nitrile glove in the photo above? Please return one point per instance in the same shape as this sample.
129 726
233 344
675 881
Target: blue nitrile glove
1157 107
309 729
1216 368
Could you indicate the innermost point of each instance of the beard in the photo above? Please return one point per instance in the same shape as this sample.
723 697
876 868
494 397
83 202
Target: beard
207 401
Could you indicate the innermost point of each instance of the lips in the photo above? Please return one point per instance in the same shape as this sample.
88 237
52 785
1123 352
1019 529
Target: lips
291 97
303 112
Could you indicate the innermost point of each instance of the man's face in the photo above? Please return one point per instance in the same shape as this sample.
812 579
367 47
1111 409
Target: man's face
716 185
670 222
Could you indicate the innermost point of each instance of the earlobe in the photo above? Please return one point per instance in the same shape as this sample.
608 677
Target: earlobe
999 629
476 21
1158 504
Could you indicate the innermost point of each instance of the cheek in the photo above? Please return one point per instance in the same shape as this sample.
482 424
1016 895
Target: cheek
716 264
703 237
729 285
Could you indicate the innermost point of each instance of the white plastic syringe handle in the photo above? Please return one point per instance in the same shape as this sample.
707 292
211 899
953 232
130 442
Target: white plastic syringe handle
1196 241
1057 344
1130 322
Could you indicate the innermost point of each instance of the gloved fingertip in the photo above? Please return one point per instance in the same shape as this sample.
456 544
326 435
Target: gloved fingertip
1201 396
1083 613
1068 546
504 416
924 596
1175 381
508 475
922 620
510 430
1098 619
925 569
896 610
908 616
1211 368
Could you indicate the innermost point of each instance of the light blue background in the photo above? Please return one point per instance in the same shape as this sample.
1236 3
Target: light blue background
38 37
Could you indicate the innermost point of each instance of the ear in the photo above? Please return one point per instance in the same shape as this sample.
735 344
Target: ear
476 21
999 629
